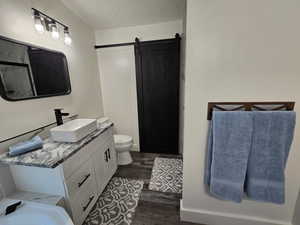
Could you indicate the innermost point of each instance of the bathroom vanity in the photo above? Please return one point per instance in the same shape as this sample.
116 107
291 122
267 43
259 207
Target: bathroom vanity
77 171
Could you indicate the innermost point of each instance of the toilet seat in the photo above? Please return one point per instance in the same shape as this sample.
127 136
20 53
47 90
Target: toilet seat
122 140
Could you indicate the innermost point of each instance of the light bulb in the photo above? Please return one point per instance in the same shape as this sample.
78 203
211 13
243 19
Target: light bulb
39 28
68 40
38 24
55 35
54 32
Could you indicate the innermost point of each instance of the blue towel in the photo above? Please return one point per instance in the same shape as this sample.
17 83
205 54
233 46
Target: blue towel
26 146
272 137
228 151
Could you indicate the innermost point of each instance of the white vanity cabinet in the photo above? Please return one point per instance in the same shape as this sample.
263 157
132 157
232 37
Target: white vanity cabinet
80 179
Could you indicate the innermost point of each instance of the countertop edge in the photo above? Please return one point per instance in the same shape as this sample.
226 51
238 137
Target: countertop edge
57 163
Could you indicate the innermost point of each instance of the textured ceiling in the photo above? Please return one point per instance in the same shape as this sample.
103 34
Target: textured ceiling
101 14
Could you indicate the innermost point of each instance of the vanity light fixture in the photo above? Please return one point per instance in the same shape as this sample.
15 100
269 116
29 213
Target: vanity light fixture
44 22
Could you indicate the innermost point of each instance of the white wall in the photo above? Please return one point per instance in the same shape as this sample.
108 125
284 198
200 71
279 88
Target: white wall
238 50
119 90
16 22
182 81
144 33
117 72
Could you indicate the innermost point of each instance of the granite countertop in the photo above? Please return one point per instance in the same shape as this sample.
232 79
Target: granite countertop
53 153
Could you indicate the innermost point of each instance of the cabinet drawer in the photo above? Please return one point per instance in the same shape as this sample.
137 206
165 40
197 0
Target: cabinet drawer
83 202
75 161
80 178
71 165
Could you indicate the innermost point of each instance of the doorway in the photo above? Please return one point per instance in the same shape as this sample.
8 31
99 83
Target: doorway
157 77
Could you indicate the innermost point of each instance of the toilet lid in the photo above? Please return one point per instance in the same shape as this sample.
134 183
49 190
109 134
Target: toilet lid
122 139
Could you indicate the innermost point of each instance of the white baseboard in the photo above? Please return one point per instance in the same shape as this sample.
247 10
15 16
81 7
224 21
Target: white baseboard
218 218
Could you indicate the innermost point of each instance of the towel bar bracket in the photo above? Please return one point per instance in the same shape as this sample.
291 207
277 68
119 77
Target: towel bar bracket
248 106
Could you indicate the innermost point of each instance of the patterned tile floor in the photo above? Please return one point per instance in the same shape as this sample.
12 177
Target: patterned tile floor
154 208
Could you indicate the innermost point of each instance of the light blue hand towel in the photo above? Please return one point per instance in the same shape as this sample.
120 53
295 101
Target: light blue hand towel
228 151
26 146
272 138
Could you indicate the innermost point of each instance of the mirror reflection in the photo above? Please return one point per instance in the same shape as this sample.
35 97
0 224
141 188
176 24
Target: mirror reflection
30 72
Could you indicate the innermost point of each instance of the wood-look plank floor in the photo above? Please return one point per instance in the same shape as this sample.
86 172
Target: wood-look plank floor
154 208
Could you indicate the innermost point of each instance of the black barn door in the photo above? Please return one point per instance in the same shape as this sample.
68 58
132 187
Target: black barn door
157 71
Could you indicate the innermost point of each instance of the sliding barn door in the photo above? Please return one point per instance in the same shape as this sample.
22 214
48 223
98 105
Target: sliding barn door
157 71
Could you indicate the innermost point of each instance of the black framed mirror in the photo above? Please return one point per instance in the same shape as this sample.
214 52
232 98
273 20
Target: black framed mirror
28 72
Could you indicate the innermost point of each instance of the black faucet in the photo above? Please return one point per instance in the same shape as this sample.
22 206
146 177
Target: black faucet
59 115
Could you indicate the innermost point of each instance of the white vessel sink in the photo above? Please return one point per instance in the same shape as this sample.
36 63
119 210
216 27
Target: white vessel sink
74 130
31 213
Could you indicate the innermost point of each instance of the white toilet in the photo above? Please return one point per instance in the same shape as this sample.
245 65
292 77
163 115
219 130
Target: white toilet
123 144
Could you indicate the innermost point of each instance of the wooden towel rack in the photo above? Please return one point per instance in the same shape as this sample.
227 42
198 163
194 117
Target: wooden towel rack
248 106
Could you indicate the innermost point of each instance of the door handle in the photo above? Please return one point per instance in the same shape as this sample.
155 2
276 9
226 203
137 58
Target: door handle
106 157
108 150
89 202
84 180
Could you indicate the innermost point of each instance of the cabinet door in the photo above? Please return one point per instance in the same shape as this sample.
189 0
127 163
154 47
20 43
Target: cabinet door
105 161
108 156
112 158
101 165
